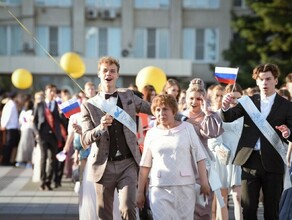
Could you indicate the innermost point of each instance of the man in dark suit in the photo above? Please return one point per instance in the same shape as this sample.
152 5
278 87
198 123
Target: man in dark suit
115 156
262 165
47 124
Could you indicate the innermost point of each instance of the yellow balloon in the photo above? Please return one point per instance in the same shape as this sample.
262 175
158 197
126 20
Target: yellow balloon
73 64
151 75
22 79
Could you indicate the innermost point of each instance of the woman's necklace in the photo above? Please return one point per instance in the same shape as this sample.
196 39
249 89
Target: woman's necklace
194 116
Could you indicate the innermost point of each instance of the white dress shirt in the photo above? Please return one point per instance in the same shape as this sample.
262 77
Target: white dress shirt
50 104
9 117
266 106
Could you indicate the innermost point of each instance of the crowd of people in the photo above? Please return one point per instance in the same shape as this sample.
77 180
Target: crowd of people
149 155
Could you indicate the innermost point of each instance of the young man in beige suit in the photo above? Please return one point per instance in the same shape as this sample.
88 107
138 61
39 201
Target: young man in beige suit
108 125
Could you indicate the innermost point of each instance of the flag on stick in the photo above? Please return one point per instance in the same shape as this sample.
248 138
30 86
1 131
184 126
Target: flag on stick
70 107
226 75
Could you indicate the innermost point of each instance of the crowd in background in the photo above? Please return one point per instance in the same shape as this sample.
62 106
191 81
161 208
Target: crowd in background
25 143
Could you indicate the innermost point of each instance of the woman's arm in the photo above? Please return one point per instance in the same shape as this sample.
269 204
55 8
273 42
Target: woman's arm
205 188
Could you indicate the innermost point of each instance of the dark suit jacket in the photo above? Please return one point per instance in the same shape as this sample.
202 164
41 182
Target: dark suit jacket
91 134
281 113
40 120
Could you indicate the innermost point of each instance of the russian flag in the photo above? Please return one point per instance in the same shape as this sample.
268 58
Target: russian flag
226 75
70 107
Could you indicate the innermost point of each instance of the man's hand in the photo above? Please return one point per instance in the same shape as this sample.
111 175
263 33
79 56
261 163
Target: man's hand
226 101
77 128
106 121
284 130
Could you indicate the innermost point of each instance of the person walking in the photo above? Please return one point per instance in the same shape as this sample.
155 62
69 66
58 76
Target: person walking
223 148
169 159
27 140
9 123
109 126
208 125
47 124
257 153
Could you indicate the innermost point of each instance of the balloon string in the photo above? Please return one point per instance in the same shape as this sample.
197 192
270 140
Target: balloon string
42 47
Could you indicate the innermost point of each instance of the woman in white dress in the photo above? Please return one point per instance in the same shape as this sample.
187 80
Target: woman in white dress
167 153
27 142
230 175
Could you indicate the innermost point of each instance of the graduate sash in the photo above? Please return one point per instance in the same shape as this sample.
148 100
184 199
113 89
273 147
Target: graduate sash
264 126
116 112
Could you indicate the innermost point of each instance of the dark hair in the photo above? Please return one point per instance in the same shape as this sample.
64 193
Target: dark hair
284 92
147 92
265 68
28 104
288 78
169 83
237 88
51 86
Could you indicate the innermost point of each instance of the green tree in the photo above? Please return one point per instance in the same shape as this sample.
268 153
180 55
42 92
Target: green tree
262 36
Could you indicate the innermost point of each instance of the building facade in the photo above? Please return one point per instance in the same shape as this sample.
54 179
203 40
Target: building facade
182 37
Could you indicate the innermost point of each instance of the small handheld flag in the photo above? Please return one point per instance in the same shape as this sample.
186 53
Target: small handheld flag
226 75
70 107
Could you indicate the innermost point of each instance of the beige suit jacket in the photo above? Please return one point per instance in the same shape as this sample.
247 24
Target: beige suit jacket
100 141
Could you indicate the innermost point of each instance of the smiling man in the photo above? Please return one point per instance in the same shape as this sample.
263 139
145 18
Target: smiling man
265 115
109 126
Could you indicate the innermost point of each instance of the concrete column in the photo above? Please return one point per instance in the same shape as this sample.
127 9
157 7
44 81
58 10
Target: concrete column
127 25
28 20
175 28
78 26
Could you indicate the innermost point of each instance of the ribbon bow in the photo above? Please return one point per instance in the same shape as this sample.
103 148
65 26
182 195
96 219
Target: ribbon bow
107 96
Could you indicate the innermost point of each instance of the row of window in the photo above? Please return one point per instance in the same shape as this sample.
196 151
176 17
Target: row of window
198 44
117 3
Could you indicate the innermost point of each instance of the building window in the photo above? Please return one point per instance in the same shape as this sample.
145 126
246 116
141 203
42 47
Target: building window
103 42
63 3
151 43
104 3
208 4
239 3
56 40
152 4
11 2
11 40
200 44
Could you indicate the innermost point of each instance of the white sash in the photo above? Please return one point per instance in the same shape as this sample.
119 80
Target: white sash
264 126
115 111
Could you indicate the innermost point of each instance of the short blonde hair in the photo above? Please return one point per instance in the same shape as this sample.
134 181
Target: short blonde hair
109 60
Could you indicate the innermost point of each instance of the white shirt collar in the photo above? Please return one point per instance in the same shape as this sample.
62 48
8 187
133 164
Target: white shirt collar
269 99
112 100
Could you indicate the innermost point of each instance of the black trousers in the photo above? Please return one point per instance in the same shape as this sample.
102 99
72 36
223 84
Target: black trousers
59 169
12 139
254 177
48 145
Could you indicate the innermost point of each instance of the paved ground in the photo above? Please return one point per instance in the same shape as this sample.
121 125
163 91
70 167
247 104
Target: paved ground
21 199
